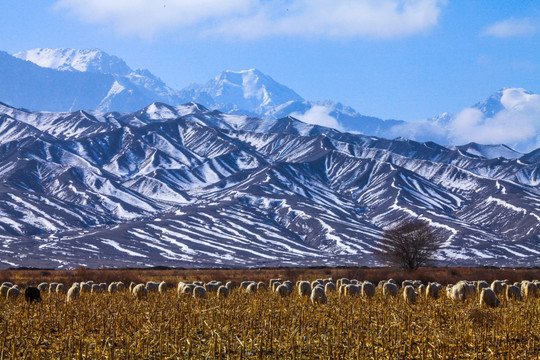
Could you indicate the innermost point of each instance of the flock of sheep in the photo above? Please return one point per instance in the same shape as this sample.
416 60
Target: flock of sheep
488 294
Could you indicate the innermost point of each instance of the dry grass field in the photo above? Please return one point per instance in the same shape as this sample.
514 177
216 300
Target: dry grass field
262 325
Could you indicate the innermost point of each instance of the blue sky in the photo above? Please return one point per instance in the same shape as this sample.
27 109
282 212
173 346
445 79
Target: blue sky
387 58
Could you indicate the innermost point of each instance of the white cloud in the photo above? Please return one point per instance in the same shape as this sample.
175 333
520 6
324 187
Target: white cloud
512 28
260 18
319 115
516 125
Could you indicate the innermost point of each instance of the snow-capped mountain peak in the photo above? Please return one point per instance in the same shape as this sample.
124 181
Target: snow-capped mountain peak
87 60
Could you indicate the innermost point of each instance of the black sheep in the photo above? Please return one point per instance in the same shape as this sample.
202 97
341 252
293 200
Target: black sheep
32 294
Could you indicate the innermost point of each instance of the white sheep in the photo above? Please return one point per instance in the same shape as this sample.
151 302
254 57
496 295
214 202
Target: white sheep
304 288
351 290
329 287
513 293
3 290
7 284
272 281
283 290
222 292
212 286
368 289
162 288
43 286
230 286
406 283
489 298
417 283
188 289
199 292
498 287
13 293
112 288
252 288
104 287
261 286
318 295
120 286
73 293
96 289
481 285
85 288
52 287
60 289
245 284
432 290
462 291
140 291
131 286
390 289
275 286
180 288
529 289
152 286
409 294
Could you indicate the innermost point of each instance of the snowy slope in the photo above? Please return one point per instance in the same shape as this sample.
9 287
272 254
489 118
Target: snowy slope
188 186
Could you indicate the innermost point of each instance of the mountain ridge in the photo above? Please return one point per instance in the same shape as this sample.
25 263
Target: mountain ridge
188 186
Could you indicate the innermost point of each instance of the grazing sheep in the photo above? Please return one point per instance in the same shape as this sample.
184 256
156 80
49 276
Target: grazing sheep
188 289
120 286
3 290
342 281
152 286
43 286
60 289
261 286
222 292
537 283
140 291
432 291
104 287
272 281
162 288
514 293
498 287
85 288
390 289
112 288
481 285
131 286
198 283
392 281
32 294
421 289
212 286
245 284
351 290
318 296
405 283
73 293
275 286
13 293
52 287
489 298
529 290
354 282
283 290
409 295
381 283
304 288
230 286
462 291
252 288
199 292
180 287
368 289
7 284
329 287
96 288
417 283
315 283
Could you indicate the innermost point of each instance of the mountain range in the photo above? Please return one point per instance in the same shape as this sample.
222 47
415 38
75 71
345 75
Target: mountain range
191 187
239 182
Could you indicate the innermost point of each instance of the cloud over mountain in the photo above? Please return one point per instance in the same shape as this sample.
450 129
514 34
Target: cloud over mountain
258 18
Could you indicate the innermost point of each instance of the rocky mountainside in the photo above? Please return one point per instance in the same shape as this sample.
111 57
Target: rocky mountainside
188 186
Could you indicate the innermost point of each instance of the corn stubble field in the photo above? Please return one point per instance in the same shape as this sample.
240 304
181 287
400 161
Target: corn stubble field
264 325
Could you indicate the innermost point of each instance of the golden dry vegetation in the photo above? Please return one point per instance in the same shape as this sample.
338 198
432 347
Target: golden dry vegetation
265 326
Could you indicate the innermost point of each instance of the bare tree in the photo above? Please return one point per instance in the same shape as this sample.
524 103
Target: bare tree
411 244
